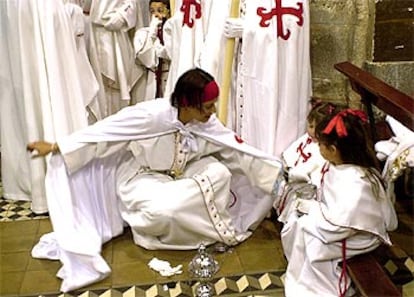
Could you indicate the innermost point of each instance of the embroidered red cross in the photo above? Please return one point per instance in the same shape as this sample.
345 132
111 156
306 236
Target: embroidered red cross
186 9
301 150
279 11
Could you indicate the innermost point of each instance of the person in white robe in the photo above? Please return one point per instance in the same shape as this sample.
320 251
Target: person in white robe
170 170
111 49
351 215
398 154
272 84
89 83
303 163
150 52
42 95
194 37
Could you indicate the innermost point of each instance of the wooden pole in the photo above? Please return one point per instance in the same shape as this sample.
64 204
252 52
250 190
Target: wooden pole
172 7
227 68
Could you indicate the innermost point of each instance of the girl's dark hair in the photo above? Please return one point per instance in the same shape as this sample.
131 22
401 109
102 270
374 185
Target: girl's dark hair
190 88
323 109
356 147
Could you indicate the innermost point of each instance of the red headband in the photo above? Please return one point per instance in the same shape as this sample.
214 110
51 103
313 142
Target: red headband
337 121
211 91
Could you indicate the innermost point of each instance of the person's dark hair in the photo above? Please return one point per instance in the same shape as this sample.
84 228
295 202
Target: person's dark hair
356 147
190 88
323 109
165 2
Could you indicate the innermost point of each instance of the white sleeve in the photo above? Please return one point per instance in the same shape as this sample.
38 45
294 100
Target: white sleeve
145 50
128 12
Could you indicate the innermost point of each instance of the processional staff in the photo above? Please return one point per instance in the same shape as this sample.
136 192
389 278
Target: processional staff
172 7
227 68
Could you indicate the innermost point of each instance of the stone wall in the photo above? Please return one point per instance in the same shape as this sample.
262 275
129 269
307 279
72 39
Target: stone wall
400 75
341 30
344 30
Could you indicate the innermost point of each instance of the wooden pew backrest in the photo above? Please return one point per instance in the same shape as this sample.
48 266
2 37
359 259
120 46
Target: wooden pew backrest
374 91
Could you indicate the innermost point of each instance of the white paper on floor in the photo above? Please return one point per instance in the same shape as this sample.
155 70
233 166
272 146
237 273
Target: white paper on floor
164 267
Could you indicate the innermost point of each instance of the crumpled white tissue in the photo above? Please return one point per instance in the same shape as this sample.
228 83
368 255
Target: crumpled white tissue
164 267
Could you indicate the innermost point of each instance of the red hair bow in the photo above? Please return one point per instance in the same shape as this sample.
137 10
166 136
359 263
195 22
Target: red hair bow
337 121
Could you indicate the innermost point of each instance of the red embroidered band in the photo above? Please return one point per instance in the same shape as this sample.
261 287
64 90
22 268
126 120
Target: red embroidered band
337 121
211 91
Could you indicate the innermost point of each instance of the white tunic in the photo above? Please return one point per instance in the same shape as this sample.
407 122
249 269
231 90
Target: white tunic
114 52
304 160
355 209
199 42
159 207
120 170
274 87
89 83
304 164
41 93
399 153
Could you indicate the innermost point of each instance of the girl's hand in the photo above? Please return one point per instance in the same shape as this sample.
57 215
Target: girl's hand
42 148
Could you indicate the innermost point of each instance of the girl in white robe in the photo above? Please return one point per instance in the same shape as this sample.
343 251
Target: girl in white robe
350 216
172 172
303 162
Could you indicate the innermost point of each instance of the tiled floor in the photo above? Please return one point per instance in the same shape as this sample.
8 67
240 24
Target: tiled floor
11 210
253 268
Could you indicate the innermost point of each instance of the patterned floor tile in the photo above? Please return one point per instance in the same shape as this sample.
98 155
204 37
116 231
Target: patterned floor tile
267 284
12 210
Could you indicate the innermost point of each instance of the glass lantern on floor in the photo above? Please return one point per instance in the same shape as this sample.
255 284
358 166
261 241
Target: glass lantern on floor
203 267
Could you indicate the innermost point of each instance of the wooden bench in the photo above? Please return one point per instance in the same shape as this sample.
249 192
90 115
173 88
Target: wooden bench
370 278
367 270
